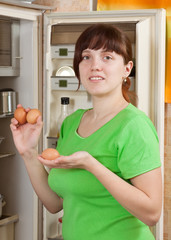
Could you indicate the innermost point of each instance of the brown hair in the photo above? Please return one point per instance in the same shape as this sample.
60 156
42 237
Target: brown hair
109 38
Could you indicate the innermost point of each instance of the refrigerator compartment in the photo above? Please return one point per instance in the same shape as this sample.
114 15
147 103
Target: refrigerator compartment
9 45
63 34
4 154
7 227
62 51
66 34
65 83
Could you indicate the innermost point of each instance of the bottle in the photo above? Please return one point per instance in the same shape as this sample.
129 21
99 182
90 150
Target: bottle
64 113
60 229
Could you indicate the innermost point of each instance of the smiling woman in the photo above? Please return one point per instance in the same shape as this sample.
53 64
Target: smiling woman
114 143
100 37
103 69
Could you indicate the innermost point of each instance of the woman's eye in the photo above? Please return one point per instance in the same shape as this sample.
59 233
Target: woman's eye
85 57
107 57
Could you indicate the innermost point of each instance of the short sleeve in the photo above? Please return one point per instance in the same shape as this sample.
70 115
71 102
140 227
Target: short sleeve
60 135
138 148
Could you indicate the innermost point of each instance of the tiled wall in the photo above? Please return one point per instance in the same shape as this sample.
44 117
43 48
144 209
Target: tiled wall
167 174
66 5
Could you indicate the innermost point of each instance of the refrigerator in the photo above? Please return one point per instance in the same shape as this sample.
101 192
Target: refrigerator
45 44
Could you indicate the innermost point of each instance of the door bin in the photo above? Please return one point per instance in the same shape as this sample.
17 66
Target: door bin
7 227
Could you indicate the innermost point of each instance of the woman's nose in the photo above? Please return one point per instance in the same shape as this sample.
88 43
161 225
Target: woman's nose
96 65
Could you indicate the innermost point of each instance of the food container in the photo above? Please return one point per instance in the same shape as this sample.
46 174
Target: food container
7 101
2 203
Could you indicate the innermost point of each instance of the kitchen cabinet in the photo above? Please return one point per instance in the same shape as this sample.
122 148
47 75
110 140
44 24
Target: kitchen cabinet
9 47
40 31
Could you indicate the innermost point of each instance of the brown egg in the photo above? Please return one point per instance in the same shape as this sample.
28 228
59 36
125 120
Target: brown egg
32 116
20 115
50 154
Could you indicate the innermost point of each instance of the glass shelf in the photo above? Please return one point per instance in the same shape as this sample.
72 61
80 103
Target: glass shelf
6 115
4 155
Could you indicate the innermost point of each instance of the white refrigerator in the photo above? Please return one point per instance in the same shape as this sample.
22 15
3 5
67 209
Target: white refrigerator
33 75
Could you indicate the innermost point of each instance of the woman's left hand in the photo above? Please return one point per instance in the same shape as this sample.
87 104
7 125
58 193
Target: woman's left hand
79 159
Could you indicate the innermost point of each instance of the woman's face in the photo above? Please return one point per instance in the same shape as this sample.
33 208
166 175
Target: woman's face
102 72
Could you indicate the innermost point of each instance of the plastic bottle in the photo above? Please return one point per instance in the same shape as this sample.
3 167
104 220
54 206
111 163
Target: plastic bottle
64 113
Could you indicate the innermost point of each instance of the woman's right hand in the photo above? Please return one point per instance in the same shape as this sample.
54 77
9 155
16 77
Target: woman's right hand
26 136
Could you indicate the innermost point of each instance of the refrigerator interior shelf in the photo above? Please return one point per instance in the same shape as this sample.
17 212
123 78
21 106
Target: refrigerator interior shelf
4 155
6 115
4 220
55 238
7 227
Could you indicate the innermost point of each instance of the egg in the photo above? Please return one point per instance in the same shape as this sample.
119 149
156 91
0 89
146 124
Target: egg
32 116
20 115
50 154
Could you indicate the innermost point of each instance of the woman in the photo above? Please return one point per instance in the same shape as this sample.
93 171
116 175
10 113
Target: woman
108 177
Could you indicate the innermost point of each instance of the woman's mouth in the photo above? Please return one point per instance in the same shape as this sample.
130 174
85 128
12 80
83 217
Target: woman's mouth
96 79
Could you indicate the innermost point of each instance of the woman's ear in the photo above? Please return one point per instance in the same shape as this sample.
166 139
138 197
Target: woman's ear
128 68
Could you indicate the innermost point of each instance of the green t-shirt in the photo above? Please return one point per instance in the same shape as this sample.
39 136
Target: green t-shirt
128 146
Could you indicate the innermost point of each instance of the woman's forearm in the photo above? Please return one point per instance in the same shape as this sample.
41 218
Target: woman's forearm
39 179
142 202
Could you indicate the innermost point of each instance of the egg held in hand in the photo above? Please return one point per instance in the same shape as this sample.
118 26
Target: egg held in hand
20 114
32 116
50 154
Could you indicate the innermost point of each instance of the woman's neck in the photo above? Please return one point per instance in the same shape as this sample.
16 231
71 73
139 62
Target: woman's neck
103 107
